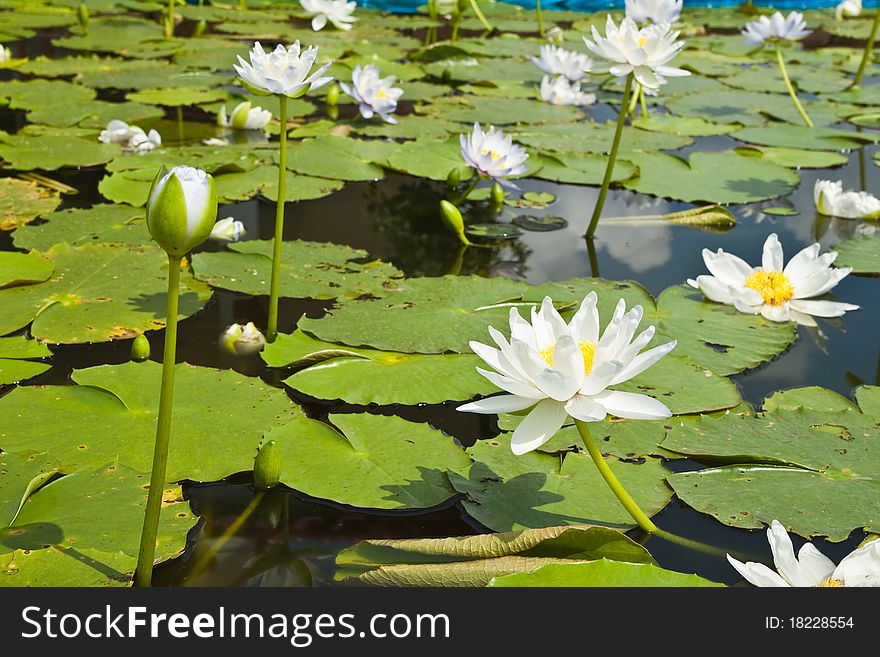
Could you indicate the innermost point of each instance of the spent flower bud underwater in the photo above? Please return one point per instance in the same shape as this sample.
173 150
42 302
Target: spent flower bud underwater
241 340
181 209
228 230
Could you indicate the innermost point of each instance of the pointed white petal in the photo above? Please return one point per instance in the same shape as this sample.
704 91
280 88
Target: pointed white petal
538 427
821 308
757 573
583 408
772 259
643 361
499 404
783 556
513 386
814 565
632 406
860 567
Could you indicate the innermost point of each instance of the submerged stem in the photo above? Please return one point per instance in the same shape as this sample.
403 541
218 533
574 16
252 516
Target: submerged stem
791 91
143 575
463 196
274 286
228 533
612 156
869 49
480 15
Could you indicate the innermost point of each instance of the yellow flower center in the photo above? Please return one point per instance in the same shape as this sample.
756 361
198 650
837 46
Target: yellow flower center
830 582
642 41
495 155
773 286
588 351
381 93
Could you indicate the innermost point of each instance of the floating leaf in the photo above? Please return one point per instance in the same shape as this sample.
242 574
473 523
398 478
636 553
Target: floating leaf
581 169
493 231
794 158
22 201
688 127
102 223
48 150
21 475
263 180
23 268
860 253
430 159
602 573
342 158
177 96
800 137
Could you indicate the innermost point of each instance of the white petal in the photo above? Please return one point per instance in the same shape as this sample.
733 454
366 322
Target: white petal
757 573
495 359
783 556
569 361
814 565
800 318
513 386
775 313
643 361
499 404
583 408
632 406
538 427
601 377
803 263
726 267
584 326
860 567
821 308
713 289
772 259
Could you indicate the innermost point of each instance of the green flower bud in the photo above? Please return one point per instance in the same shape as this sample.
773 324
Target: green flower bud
453 221
453 178
497 194
140 349
181 209
332 97
463 6
267 466
82 15
333 112
199 29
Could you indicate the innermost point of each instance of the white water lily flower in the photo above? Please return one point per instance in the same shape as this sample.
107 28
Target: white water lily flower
779 294
376 95
284 71
244 117
831 200
130 137
181 208
848 8
654 11
338 12
776 28
228 230
5 53
560 91
566 369
242 340
144 143
493 154
559 61
643 52
861 567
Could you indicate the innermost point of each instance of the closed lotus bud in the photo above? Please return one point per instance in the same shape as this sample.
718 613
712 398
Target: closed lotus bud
200 28
452 220
267 466
140 349
332 97
181 209
453 178
333 112
82 15
228 230
497 194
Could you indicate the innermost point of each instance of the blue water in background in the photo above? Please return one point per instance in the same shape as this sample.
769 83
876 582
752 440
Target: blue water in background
410 6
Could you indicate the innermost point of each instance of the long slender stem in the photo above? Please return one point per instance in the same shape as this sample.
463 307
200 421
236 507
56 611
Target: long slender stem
463 196
169 24
643 101
612 156
791 91
480 15
228 533
869 49
633 100
143 575
180 134
275 285
594 259
539 14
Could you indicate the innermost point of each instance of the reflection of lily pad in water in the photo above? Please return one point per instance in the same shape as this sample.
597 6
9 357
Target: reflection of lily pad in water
780 211
493 231
543 224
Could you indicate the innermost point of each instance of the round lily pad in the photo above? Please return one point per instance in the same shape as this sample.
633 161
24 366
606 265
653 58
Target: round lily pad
543 224
22 201
493 231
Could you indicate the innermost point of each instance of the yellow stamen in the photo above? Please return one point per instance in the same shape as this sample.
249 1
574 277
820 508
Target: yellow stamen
381 93
642 41
830 582
588 351
773 286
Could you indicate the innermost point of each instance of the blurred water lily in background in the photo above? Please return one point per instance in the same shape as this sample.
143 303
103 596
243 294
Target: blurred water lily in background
130 137
861 567
375 94
653 11
572 65
565 370
779 294
493 154
831 200
337 12
5 53
776 28
560 91
848 9
283 71
244 117
241 340
228 230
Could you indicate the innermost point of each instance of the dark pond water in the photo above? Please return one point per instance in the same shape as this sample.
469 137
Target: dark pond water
291 538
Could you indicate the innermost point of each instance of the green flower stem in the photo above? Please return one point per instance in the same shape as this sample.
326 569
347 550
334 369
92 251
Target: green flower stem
143 575
274 286
612 157
463 196
869 49
242 5
480 15
202 564
169 21
180 135
643 101
540 17
791 91
594 260
634 99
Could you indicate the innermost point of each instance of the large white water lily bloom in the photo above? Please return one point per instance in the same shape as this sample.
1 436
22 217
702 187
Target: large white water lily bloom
283 71
493 154
244 117
338 12
227 230
848 8
559 61
779 294
376 95
861 567
130 137
654 11
776 28
831 200
566 369
181 209
643 52
242 340
560 91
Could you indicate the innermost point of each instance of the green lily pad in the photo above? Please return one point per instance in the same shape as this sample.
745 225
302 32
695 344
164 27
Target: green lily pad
861 253
47 150
602 572
474 560
123 401
507 492
688 127
719 177
371 461
16 371
802 461
581 168
21 475
15 365
127 187
99 224
410 126
318 270
749 108
93 114
341 158
54 566
587 137
367 376
430 159
263 181
794 158
177 96
32 94
98 293
23 268
542 224
813 79
22 201
484 109
816 138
